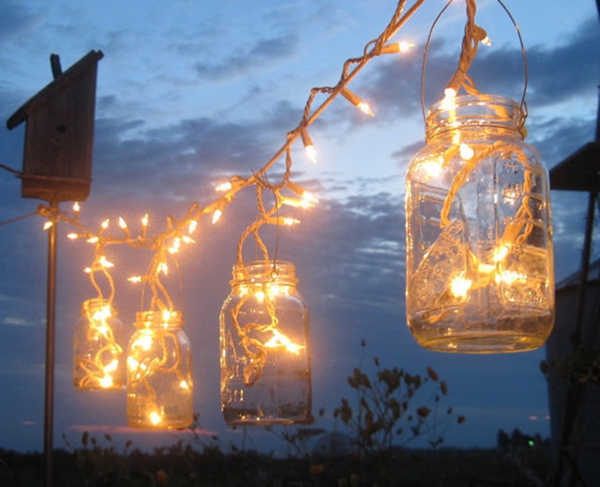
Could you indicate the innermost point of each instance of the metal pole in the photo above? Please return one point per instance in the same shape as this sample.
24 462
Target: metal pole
50 339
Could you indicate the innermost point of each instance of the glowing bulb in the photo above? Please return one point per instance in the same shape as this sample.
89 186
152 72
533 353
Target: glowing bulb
405 46
184 385
192 226
155 418
105 263
112 366
72 236
135 279
357 102
122 223
311 153
216 216
290 221
500 253
145 220
486 41
460 286
48 225
224 187
92 240
280 340
105 224
166 315
87 270
466 152
106 381
76 207
162 267
365 108
175 247
449 101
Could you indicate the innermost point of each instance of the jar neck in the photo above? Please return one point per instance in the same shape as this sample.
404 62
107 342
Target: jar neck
479 116
264 272
98 306
159 320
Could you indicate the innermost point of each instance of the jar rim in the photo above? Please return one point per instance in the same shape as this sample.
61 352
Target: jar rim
262 270
487 110
165 317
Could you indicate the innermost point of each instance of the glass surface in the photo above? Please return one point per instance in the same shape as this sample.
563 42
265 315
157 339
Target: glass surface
480 275
265 360
159 373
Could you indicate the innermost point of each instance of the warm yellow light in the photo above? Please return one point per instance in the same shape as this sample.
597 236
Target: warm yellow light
486 41
155 418
449 101
166 315
184 385
106 381
432 167
48 225
135 279
223 187
92 240
76 207
87 270
311 153
466 152
122 223
357 102
145 220
175 247
162 267
500 253
105 263
143 342
460 286
365 108
105 223
280 340
216 216
192 226
509 277
72 236
111 367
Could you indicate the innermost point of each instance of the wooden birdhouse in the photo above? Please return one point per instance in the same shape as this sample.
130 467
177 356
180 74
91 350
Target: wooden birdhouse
59 135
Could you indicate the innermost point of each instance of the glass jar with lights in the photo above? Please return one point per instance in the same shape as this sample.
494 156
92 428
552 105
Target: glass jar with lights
265 359
479 270
159 372
98 355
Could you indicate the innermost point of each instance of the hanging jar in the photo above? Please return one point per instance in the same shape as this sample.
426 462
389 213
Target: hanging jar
265 356
479 271
159 372
98 355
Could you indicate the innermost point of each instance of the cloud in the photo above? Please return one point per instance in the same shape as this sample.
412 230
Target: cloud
245 60
15 20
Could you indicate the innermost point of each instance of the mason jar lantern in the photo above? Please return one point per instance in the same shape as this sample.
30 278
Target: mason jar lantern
479 271
159 372
98 355
265 359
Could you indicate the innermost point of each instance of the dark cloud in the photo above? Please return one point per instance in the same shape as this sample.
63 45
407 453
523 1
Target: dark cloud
15 20
555 74
246 59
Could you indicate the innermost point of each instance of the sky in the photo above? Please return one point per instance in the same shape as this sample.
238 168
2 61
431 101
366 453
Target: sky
190 93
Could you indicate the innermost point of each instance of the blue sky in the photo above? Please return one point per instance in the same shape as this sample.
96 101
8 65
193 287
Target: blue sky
192 92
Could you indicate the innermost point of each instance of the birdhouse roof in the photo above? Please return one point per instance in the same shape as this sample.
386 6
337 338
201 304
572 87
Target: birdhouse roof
54 88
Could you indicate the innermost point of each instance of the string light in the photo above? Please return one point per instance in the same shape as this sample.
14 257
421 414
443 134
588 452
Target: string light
274 339
357 102
159 372
98 358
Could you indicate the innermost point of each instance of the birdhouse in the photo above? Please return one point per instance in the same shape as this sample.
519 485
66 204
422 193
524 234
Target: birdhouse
59 135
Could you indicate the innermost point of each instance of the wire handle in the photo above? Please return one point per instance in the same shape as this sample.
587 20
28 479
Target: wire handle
473 35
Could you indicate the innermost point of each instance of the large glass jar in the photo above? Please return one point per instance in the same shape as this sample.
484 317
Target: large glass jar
479 271
159 372
98 355
265 357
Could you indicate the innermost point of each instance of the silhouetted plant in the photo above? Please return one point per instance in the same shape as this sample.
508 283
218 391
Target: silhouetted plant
385 416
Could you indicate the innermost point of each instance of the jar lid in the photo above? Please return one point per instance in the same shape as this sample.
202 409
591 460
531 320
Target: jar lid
279 271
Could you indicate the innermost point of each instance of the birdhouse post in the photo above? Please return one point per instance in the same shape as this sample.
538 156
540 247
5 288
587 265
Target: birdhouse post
57 160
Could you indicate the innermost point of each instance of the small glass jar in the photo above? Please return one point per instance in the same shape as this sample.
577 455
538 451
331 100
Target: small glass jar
479 259
159 372
98 355
265 356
